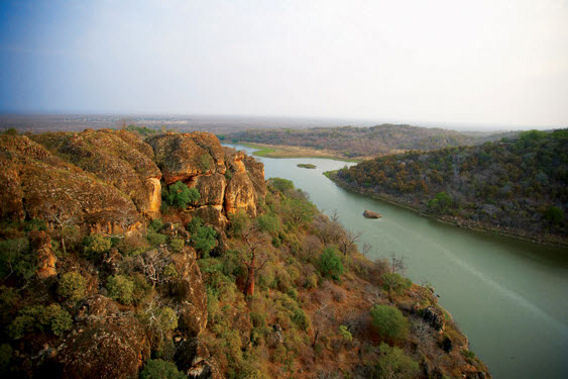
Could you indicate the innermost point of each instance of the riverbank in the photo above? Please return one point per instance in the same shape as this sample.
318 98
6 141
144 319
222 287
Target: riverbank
455 221
286 151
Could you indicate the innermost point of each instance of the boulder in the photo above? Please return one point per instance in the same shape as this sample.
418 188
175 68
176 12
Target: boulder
371 214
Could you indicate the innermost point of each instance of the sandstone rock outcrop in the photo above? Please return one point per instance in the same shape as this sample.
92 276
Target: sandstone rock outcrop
119 158
46 259
42 185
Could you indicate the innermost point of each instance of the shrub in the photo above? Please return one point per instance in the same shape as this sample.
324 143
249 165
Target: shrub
95 245
121 289
554 215
205 162
177 244
268 223
204 239
180 195
156 238
393 282
72 286
281 185
239 222
15 258
170 271
440 203
167 319
345 333
158 368
330 264
5 357
394 363
39 318
300 319
389 322
156 224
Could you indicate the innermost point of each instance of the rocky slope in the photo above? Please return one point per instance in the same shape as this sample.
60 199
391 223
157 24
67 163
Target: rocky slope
101 277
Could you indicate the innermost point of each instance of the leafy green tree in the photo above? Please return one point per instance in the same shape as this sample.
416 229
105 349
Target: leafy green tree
72 286
269 223
330 264
204 239
239 223
554 215
180 195
177 244
394 363
40 318
394 283
96 245
282 185
389 322
167 319
16 258
158 368
121 289
440 203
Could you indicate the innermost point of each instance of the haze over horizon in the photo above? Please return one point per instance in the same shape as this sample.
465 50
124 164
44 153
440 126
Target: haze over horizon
502 63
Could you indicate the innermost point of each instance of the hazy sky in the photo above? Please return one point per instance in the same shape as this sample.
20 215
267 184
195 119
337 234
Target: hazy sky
478 62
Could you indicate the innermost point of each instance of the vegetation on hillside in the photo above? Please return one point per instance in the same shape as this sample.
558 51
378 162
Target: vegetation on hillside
352 142
518 186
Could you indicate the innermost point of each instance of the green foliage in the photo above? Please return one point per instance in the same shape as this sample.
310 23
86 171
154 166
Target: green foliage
35 224
180 195
205 162
281 185
269 223
300 319
5 357
16 258
395 283
203 238
345 333
39 318
167 319
239 221
96 245
156 238
72 286
156 224
121 289
554 215
177 244
389 322
440 203
170 271
330 264
394 363
158 368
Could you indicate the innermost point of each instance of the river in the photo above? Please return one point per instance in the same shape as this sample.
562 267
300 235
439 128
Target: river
509 297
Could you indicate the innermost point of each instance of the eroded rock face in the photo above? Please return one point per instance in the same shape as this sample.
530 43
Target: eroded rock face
119 158
46 187
182 156
227 180
114 346
41 243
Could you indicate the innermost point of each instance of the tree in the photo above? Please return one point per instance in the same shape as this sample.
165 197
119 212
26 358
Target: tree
158 368
96 245
394 363
554 215
330 264
389 322
394 283
180 195
348 240
72 286
121 289
204 238
250 260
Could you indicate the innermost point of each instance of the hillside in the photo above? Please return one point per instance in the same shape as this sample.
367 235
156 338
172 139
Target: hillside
352 142
518 187
172 256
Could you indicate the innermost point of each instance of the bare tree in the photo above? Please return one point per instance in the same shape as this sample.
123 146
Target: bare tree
397 264
348 240
251 260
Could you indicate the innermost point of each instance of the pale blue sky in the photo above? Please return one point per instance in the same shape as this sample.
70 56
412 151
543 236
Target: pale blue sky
476 62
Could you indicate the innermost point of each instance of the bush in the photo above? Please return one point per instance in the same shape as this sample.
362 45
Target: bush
121 289
180 195
156 238
389 322
268 223
554 215
394 363
156 224
300 319
440 203
15 258
393 282
239 222
96 245
330 264
5 357
40 318
345 333
167 319
177 244
72 286
158 368
204 239
281 185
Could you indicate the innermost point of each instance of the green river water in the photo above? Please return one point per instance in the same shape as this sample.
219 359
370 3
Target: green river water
509 297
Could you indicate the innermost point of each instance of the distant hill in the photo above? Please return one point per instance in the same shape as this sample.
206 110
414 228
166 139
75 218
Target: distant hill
353 142
517 186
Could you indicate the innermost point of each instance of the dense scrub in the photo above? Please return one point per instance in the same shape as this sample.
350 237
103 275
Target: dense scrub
281 292
518 186
358 142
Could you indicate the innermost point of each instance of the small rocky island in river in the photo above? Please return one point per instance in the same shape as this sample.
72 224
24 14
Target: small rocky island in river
306 165
371 214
